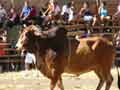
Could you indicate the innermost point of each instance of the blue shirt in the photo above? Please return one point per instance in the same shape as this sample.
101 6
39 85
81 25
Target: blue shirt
103 12
26 11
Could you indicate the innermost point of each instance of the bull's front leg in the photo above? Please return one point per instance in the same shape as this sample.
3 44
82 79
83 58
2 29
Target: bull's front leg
49 58
53 84
60 84
54 79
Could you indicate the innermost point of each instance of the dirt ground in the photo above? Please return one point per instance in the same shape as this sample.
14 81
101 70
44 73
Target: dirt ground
33 80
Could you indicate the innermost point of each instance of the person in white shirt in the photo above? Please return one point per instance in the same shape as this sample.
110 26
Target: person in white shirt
67 11
30 60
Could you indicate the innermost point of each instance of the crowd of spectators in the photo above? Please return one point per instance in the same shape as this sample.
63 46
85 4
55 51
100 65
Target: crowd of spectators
29 14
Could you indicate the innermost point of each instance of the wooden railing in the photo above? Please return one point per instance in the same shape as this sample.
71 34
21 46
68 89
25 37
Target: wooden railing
11 60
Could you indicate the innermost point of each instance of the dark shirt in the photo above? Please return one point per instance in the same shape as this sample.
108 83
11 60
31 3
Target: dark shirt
87 12
33 12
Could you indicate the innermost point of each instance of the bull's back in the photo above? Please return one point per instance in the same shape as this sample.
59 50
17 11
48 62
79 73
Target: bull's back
90 54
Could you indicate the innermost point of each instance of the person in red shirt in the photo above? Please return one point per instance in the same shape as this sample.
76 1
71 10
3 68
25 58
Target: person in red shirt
33 12
33 15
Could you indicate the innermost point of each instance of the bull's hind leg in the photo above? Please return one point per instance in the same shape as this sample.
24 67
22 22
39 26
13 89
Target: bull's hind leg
109 80
101 78
54 79
105 76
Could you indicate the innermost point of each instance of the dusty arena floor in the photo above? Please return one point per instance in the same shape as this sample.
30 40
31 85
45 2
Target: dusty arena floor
34 81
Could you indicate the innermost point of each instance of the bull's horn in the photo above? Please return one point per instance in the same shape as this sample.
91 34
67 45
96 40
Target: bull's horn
37 30
38 33
41 34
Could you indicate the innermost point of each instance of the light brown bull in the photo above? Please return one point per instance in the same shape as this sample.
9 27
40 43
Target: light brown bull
58 54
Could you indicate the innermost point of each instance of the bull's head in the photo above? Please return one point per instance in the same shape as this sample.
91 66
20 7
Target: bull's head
27 39
32 38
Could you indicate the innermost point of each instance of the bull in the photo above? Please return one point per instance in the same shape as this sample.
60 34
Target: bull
56 53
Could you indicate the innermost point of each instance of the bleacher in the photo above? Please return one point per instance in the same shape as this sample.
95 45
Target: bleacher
10 58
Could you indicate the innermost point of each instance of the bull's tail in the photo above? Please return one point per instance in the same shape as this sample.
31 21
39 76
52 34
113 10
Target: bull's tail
118 77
